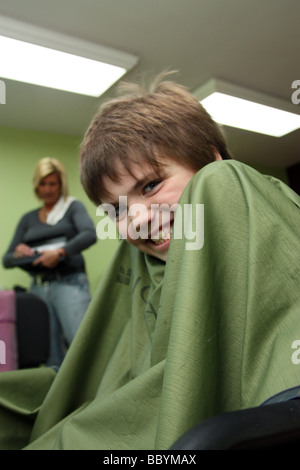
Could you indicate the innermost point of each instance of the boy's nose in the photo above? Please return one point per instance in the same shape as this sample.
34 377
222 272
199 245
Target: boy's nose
140 217
145 221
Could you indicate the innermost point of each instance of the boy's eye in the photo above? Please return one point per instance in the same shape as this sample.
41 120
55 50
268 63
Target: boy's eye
150 186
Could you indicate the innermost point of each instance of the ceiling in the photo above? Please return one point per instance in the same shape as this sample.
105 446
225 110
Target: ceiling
251 43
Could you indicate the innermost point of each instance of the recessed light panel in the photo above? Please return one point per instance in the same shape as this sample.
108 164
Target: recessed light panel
248 114
41 57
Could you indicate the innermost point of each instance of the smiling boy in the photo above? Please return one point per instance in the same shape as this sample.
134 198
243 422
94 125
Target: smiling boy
145 147
151 200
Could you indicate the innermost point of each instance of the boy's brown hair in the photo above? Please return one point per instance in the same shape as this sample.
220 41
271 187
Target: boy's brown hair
147 126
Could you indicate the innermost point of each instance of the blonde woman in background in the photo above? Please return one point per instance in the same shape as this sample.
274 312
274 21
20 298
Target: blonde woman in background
47 243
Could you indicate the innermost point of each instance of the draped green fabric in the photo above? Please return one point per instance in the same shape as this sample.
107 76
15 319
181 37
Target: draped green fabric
164 346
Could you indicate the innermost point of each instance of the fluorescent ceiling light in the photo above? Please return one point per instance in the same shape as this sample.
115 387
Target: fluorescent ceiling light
238 107
28 63
33 55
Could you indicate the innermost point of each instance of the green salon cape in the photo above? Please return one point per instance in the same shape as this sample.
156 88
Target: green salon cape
164 346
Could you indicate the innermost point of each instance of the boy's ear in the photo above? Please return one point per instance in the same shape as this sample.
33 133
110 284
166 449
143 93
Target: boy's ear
218 156
216 153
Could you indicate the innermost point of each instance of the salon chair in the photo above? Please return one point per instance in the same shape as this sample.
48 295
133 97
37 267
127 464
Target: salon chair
32 329
274 425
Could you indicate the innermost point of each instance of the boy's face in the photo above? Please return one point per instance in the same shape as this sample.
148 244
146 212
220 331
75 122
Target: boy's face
143 204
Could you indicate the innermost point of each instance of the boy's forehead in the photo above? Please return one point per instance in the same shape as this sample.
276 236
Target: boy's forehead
127 179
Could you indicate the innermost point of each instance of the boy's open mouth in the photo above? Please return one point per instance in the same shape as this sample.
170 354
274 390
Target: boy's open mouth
162 235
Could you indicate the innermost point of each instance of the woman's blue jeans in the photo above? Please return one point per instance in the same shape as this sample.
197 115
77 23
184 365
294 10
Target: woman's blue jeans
67 299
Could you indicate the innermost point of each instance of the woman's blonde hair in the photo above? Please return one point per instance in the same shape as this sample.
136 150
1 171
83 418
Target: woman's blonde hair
46 166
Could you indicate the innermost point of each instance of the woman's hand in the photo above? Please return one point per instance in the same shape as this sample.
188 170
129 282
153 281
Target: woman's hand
23 250
48 259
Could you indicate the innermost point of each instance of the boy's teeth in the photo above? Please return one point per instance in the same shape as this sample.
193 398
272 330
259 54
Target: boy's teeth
161 237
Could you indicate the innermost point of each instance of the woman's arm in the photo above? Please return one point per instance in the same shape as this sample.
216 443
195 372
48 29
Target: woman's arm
17 248
86 232
85 236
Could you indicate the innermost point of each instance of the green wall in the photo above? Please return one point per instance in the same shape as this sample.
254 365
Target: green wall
20 150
